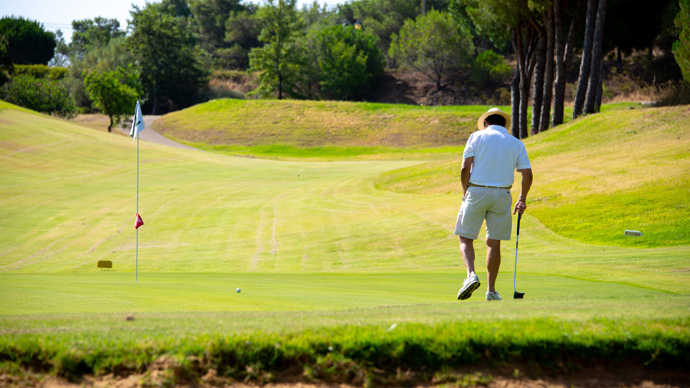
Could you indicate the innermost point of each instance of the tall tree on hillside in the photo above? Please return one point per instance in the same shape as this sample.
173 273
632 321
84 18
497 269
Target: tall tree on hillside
278 61
500 18
538 78
28 43
594 84
564 48
173 69
89 34
549 28
681 48
586 62
432 45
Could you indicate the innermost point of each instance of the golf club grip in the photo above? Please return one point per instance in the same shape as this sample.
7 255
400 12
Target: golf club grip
518 224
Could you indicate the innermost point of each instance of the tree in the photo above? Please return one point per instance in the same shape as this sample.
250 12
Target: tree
586 62
564 47
383 18
113 93
5 61
349 62
489 68
636 25
89 34
61 56
242 35
498 19
173 70
432 45
549 28
681 48
99 59
210 18
279 60
27 41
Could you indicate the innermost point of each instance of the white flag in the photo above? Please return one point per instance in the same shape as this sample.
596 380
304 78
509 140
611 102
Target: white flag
137 123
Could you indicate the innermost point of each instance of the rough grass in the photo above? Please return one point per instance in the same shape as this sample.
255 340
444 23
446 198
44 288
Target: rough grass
306 124
327 130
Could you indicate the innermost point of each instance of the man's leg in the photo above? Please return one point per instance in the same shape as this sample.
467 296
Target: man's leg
472 282
467 252
493 261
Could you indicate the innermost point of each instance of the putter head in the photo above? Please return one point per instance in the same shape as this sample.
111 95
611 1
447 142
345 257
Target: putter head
518 295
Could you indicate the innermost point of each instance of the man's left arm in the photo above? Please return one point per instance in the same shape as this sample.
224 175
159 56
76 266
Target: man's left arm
527 178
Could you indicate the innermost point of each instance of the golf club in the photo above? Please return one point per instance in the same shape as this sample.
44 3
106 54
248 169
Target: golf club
517 295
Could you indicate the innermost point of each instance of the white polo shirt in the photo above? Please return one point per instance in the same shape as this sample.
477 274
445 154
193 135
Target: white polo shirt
497 154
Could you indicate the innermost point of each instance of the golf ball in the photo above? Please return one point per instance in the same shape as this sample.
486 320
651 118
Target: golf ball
238 290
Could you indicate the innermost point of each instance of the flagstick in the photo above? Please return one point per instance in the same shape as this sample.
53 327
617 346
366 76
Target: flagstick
136 273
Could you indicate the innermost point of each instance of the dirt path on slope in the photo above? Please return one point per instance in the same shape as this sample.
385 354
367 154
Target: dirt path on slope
150 135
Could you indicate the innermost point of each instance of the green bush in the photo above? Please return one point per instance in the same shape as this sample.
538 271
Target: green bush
41 95
489 68
41 71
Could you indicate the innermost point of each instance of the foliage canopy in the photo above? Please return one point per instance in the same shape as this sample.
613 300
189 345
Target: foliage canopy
433 45
27 41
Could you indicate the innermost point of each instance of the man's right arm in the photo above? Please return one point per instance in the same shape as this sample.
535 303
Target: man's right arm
527 178
465 174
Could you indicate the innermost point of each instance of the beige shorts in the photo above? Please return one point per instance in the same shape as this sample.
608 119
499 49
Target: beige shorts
492 205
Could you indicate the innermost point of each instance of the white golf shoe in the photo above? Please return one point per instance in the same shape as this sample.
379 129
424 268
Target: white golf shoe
468 286
493 296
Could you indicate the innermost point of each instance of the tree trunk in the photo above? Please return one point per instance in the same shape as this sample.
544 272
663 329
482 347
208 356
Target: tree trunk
515 102
561 75
586 62
110 127
280 86
548 73
600 92
538 81
526 45
594 83
154 110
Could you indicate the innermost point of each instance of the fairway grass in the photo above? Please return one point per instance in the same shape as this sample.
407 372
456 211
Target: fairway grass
323 254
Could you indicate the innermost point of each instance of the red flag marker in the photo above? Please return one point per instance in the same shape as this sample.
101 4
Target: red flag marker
138 222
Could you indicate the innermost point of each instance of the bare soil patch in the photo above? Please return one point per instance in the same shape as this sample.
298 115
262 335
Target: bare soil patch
162 374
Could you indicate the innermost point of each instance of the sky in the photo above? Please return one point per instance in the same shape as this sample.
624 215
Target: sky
59 14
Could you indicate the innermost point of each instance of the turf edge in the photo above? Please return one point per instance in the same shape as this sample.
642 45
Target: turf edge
362 355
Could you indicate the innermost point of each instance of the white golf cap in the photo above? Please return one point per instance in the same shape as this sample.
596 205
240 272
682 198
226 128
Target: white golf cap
491 112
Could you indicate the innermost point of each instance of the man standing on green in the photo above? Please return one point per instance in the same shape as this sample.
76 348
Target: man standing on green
490 159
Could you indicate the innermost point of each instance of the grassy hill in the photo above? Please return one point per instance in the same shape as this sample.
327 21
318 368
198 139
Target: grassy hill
324 259
326 130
